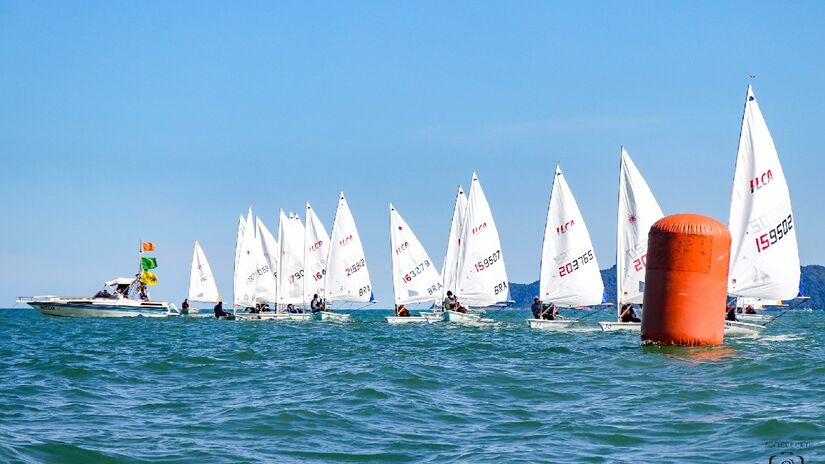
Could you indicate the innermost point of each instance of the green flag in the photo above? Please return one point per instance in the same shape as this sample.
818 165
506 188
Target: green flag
148 263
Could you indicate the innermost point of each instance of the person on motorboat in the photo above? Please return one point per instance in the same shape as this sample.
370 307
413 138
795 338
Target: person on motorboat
316 305
143 293
220 313
402 311
103 294
184 307
537 308
628 314
450 302
549 312
730 313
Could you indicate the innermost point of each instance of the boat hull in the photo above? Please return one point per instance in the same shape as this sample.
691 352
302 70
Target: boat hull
272 316
330 316
754 318
466 318
423 319
621 326
742 328
96 308
556 324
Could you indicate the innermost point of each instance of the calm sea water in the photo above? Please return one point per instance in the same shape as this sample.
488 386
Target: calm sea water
201 390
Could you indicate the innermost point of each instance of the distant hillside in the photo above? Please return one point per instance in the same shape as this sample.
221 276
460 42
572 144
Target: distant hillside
813 284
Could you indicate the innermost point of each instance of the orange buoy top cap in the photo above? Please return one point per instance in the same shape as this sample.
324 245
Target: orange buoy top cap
690 223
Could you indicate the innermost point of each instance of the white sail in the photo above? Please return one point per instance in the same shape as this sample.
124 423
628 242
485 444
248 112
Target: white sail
202 286
764 255
414 276
569 272
638 210
246 276
316 248
449 269
267 287
291 261
482 277
347 276
238 244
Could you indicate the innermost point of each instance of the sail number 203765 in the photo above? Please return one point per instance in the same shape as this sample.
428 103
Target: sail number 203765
488 261
576 263
764 241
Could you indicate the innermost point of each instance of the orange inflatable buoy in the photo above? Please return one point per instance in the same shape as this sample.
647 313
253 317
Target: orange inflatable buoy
686 281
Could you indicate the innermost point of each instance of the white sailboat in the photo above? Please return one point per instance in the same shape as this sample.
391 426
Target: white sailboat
449 270
202 286
637 212
291 261
482 276
764 252
316 249
569 271
414 277
254 280
347 278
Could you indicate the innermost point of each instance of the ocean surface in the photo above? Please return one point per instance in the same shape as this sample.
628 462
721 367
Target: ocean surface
189 390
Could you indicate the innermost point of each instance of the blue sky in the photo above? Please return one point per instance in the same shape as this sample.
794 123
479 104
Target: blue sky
163 121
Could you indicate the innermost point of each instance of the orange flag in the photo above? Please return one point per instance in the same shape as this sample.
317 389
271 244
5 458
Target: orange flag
148 246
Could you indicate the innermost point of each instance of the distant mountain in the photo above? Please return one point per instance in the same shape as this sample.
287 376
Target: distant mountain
813 285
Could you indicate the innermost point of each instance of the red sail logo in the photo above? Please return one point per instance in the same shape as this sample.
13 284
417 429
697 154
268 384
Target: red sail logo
761 181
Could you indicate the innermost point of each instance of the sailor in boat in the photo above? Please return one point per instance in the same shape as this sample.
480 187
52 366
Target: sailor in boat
291 309
550 312
628 314
451 303
220 313
317 304
402 311
730 313
184 307
264 307
537 308
749 310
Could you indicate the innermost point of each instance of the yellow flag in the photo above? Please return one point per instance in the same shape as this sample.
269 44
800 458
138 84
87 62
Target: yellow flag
149 278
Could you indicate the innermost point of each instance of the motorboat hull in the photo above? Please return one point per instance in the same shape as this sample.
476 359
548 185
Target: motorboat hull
96 307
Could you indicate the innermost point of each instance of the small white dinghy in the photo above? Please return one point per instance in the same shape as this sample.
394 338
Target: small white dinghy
202 286
481 277
764 252
569 274
347 277
414 276
637 211
254 279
